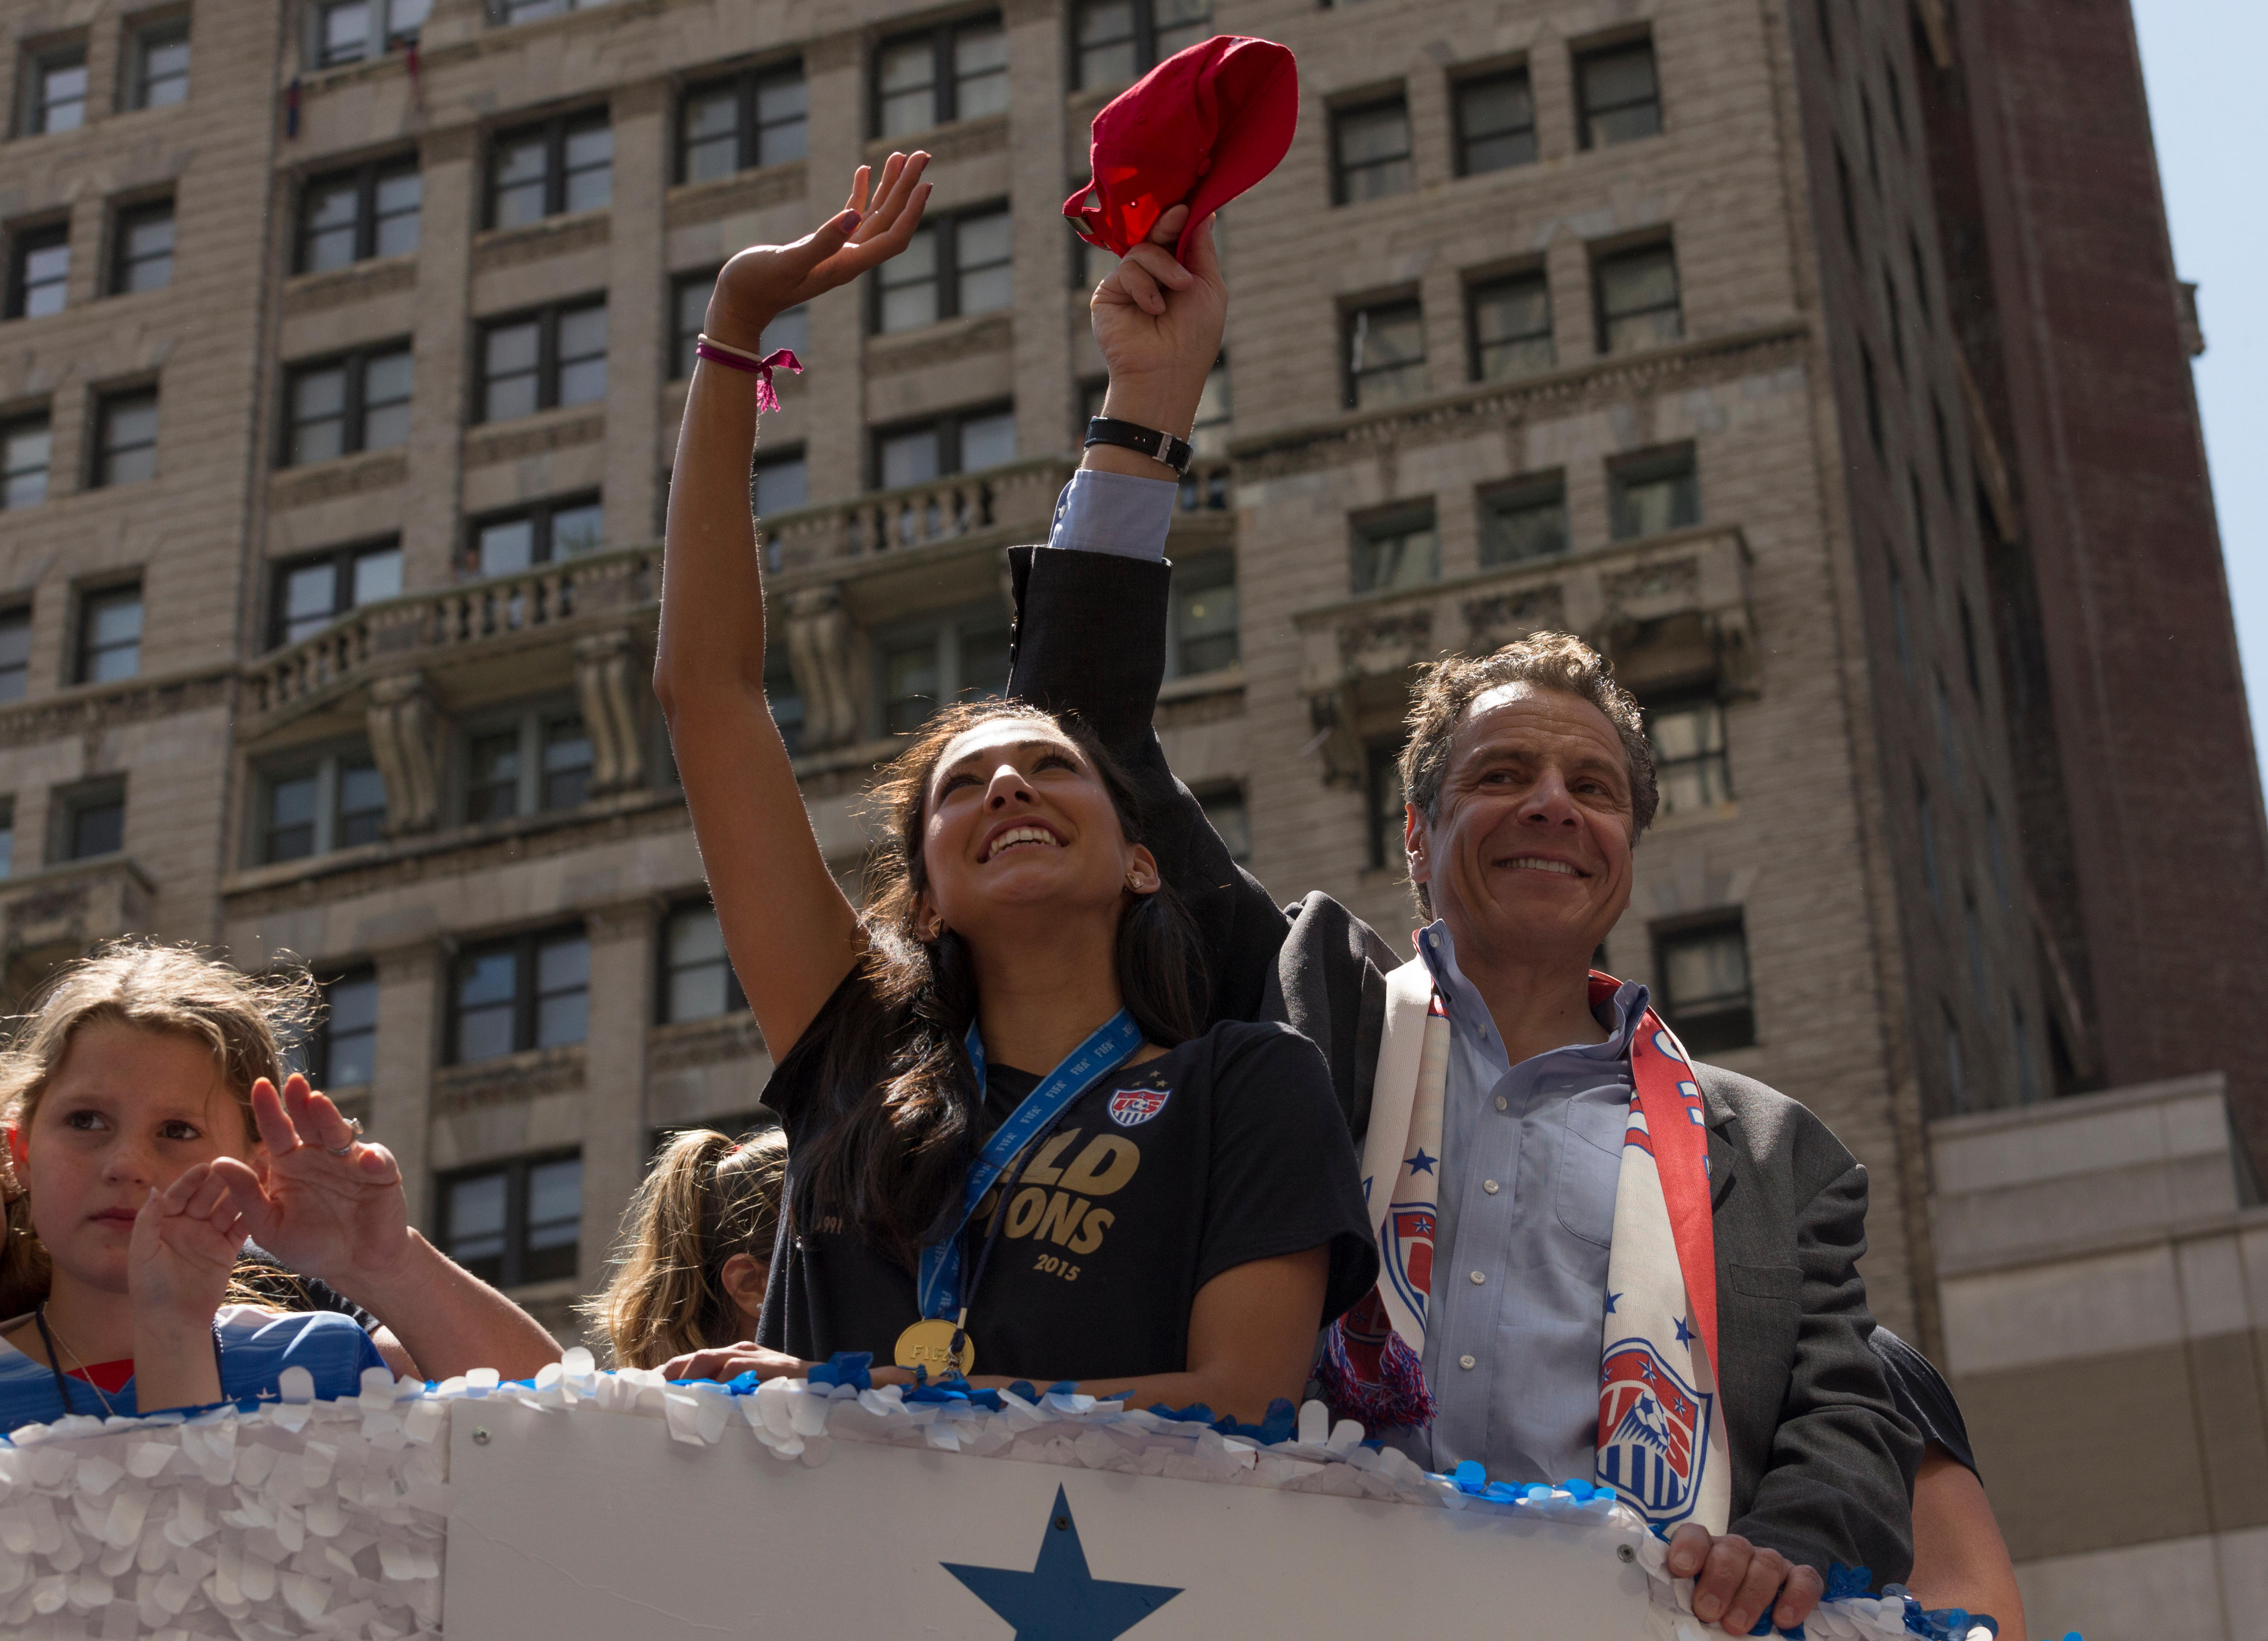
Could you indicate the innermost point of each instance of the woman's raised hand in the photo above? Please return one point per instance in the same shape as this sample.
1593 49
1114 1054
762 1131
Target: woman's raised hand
326 1204
876 223
1159 323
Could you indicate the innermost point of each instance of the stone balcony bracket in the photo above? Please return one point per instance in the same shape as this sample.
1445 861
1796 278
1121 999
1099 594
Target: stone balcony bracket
1670 610
48 916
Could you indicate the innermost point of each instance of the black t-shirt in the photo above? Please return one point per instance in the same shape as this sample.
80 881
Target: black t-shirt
1226 1149
1920 1393
287 1289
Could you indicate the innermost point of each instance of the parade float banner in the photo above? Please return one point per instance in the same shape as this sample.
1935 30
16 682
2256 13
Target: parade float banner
595 1504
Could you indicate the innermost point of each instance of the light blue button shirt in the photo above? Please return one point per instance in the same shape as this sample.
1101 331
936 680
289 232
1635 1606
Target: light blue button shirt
1115 513
1531 1157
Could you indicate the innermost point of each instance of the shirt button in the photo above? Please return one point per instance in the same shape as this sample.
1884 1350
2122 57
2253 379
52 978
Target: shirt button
1491 1187
1465 1361
1502 1104
1478 1278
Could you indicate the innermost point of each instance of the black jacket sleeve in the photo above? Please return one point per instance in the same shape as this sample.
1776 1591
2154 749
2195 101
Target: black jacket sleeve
1838 1486
1090 641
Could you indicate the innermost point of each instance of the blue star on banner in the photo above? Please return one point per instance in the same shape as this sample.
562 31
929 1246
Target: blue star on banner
1058 1599
1611 1298
1684 1334
1421 1163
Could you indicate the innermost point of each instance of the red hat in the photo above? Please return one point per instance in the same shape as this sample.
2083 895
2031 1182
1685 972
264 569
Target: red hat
1203 126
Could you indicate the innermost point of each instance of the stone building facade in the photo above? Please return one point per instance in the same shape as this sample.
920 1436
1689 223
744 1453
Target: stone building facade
1630 318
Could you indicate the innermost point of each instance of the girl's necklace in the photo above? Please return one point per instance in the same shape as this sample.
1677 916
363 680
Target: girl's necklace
51 1338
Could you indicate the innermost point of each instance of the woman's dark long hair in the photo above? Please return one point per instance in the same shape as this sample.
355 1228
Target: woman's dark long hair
895 1070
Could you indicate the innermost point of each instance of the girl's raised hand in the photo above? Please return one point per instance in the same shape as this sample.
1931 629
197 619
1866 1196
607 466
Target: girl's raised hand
327 1205
876 223
185 1243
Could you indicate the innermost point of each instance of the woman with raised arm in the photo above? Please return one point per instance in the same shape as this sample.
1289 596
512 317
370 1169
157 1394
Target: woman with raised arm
1010 1155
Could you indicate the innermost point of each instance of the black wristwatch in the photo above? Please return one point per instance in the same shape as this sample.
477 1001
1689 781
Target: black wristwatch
1152 442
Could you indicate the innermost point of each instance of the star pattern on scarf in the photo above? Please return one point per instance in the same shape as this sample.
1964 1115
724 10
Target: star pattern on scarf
1611 1298
1684 1334
1421 1163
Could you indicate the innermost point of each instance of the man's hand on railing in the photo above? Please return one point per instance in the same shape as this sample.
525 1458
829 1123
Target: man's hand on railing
764 281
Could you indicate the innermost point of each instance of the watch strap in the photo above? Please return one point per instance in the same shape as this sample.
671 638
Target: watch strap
1154 442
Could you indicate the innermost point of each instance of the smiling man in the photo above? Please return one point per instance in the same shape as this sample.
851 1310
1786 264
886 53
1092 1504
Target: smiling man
1603 1262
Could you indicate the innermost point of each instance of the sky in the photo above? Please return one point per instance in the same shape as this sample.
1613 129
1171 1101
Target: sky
2200 60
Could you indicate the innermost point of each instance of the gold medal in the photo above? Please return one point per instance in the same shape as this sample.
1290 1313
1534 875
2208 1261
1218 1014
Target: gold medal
930 1344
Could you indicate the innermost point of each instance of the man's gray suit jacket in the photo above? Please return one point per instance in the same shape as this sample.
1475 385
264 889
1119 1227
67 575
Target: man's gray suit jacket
1822 1465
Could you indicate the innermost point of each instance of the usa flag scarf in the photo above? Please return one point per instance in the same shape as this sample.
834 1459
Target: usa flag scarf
1661 1438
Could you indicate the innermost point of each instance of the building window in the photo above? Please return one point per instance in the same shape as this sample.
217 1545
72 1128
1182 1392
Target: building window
955 264
7 838
2028 1077
1920 274
1925 824
110 635
1900 630
26 445
1873 151
345 1053
757 117
1396 550
1690 767
697 982
510 11
1956 1071
348 30
15 653
1522 521
1231 820
1621 97
1973 933
1843 195
1384 354
1511 326
1944 445
529 992
1704 970
539 171
1873 392
1649 494
310 593
566 762
370 210
1496 123
923 668
142 252
1201 631
1920 504
1637 299
126 438
1969 648
340 406
955 72
504 544
1370 148
778 484
336 802
1946 740
966 441
54 96
161 65
539 761
515 1224
93 823
1386 810
543 361
39 271
1122 40
1995 855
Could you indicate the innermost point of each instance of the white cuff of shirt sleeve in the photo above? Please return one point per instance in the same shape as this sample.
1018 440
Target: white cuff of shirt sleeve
1115 513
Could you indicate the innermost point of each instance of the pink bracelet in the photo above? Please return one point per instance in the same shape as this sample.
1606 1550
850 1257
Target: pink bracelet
733 360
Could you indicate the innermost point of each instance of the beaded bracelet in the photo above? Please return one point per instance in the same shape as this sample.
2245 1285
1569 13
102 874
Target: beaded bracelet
736 359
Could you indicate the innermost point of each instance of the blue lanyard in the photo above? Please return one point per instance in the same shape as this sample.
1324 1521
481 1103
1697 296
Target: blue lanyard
1085 1066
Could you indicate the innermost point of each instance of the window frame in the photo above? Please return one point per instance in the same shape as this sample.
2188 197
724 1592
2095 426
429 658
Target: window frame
665 969
16 426
1667 934
1354 107
384 38
90 600
1355 317
555 130
1195 574
72 804
946 227
326 823
124 219
343 560
1145 39
745 83
355 407
948 424
1395 520
548 319
1603 260
145 36
945 82
367 177
527 949
15 676
513 1272
1718 758
1539 489
948 631
1595 51
1649 466
36 116
24 242
1462 139
1477 286
317 1048
542 548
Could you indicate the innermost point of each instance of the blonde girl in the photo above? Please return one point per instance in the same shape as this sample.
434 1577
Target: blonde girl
130 1080
696 1248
